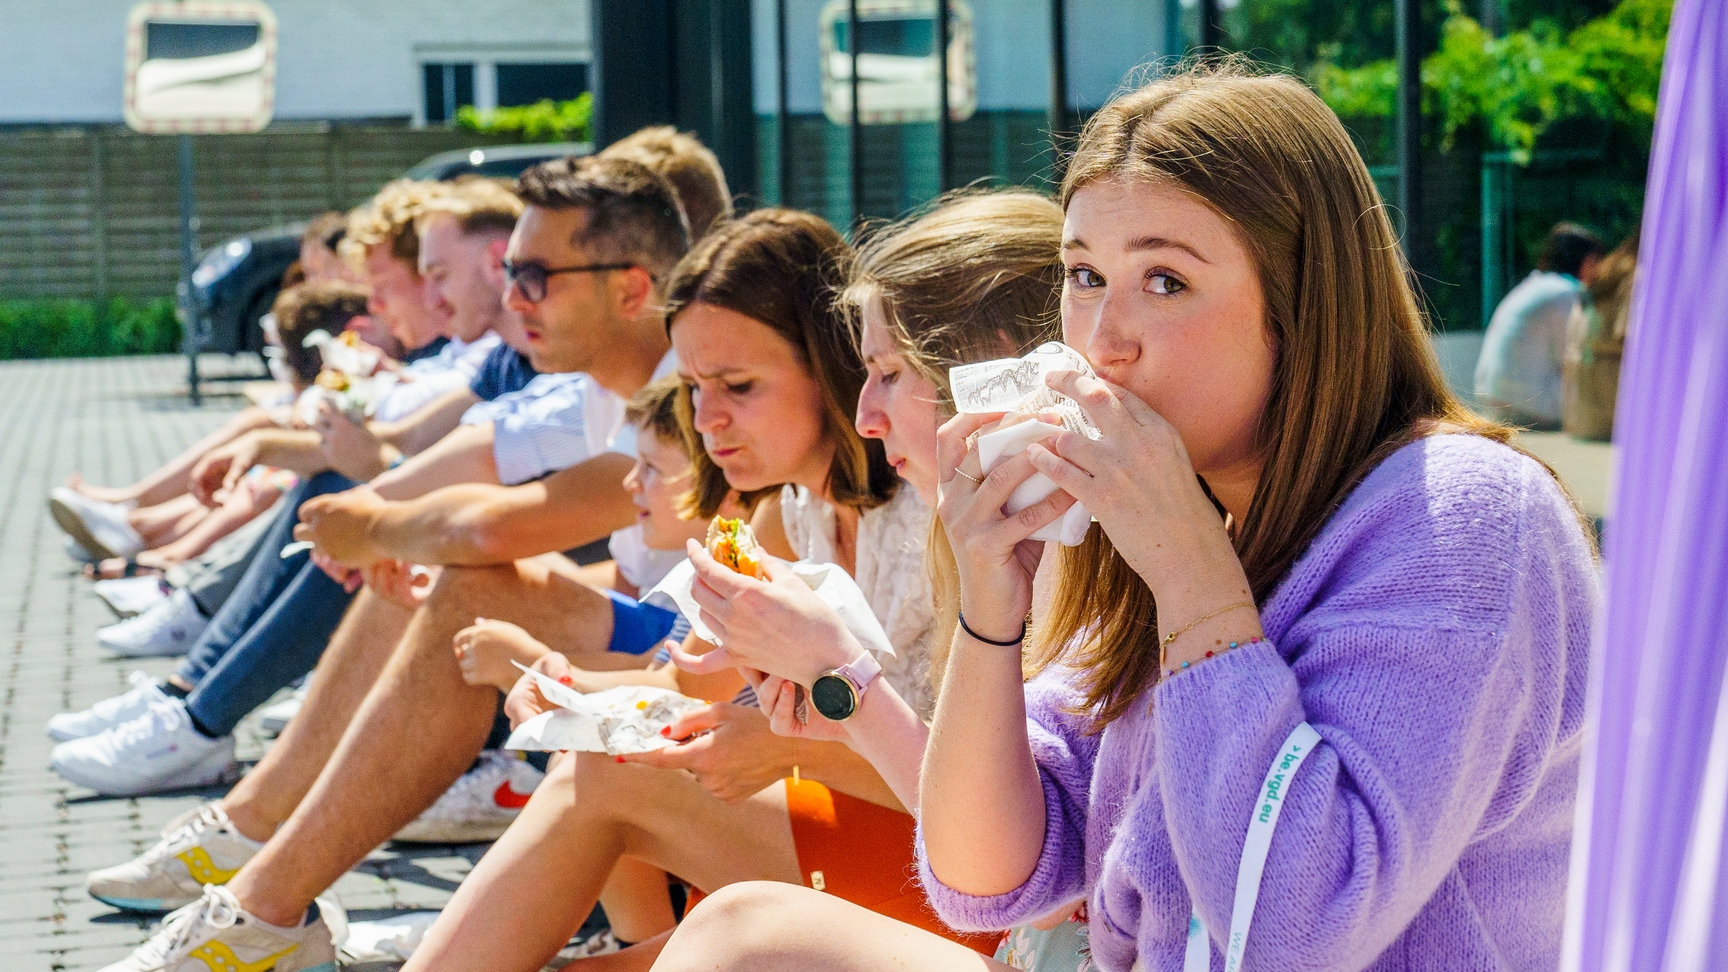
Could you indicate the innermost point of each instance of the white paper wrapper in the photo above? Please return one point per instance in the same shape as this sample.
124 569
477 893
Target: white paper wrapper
1016 386
627 719
834 586
365 389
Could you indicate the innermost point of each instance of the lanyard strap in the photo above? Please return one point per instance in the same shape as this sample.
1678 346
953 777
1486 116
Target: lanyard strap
1198 957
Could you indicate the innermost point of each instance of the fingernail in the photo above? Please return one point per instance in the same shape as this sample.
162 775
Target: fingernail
567 680
619 758
666 731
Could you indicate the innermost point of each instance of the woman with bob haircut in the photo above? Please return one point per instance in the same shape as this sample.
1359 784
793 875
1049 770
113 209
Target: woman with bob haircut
1315 583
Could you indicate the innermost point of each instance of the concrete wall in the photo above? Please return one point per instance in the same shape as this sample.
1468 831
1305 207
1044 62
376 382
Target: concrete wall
64 61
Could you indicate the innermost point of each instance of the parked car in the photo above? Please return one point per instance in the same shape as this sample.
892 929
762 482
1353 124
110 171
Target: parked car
236 282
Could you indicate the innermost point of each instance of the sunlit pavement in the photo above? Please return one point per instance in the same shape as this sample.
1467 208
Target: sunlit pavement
115 420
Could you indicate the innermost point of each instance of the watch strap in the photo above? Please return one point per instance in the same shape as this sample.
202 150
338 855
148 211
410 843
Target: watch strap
861 671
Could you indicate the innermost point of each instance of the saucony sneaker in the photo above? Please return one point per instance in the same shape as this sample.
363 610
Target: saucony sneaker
101 528
205 849
480 805
215 934
158 750
171 627
128 596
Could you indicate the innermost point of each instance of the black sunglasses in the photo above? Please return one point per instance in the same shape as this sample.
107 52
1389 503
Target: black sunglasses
529 278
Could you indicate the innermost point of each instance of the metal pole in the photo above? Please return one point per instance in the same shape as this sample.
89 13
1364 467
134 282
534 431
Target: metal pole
193 338
944 132
1211 37
856 140
1058 74
782 113
1408 25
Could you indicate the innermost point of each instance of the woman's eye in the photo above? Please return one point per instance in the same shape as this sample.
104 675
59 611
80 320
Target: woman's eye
741 388
1163 283
890 377
1085 278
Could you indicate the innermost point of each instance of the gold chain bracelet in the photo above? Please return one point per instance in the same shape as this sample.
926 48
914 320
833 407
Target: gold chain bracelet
1164 645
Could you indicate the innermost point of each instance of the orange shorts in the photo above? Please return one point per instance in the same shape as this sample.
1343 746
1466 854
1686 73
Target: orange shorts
863 853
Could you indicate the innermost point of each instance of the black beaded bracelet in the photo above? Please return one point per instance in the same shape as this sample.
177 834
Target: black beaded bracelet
975 636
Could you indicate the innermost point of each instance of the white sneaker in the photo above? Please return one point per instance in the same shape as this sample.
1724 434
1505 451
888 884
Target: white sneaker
156 751
108 713
127 596
76 551
101 528
205 849
272 719
215 934
171 627
480 805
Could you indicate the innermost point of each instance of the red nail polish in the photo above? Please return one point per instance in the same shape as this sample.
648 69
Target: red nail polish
666 731
619 758
566 680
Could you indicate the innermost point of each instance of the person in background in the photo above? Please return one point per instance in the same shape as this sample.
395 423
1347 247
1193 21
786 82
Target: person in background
1518 374
320 261
1595 338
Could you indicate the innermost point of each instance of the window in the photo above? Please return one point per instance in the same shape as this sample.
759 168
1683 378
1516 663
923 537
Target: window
525 83
448 87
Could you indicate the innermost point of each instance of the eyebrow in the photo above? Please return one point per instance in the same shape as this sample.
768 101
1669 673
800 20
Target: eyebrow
712 375
1141 244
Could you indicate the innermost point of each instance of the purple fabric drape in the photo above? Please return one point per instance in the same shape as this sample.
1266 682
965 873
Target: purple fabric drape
1650 876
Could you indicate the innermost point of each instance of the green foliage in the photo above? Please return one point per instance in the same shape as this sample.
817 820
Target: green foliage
84 329
543 121
1518 85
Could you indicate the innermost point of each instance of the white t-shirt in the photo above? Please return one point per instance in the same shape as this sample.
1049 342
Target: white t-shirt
453 367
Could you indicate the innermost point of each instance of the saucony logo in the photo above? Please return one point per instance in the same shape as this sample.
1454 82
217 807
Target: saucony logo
509 799
220 958
202 868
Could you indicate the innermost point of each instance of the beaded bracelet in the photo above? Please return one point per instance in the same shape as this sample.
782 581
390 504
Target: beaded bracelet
1254 640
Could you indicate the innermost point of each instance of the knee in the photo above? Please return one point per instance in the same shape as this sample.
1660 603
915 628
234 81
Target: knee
469 591
740 926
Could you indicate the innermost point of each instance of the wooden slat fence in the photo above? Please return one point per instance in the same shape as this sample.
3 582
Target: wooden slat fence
93 211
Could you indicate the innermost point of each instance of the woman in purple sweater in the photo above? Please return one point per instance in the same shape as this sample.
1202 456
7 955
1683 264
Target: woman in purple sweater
1297 525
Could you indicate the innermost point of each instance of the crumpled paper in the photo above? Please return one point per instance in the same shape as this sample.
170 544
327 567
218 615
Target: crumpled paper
1016 386
834 586
626 719
358 367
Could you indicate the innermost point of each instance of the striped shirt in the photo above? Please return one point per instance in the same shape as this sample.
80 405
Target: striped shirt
554 423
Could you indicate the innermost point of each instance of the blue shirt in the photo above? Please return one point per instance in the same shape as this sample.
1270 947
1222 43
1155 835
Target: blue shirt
554 423
504 370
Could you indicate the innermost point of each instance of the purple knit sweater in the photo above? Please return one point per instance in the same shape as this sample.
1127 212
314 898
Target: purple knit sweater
1437 634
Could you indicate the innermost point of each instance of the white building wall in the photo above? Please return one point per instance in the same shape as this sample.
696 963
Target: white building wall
64 60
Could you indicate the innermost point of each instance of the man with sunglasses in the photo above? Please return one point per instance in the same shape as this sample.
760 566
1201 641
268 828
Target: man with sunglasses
388 727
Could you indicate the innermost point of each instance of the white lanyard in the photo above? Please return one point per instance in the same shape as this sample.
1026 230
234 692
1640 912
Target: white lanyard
1198 957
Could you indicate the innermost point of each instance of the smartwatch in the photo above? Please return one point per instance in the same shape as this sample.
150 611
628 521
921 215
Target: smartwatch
835 694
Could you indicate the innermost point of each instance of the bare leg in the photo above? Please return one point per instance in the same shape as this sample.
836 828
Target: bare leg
417 731
745 926
164 522
170 481
536 885
358 650
637 902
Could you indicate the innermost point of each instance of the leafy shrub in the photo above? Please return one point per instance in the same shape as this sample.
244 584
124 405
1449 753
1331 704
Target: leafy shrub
84 329
1521 84
543 121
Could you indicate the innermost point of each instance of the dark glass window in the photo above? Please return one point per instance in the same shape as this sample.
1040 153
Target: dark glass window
448 87
176 41
525 84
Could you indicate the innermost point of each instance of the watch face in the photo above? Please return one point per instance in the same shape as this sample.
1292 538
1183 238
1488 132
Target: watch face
834 698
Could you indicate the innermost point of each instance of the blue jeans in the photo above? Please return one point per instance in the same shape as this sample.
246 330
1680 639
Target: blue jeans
272 629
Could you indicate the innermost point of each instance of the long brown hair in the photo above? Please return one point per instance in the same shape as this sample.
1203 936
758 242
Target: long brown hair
785 269
1355 374
975 276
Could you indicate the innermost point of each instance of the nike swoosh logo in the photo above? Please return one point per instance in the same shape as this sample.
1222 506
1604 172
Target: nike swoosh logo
509 799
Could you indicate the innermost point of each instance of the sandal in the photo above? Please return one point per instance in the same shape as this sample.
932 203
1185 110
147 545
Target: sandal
115 568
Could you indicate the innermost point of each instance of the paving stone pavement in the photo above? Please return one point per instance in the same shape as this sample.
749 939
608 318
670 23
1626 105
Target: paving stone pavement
114 420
